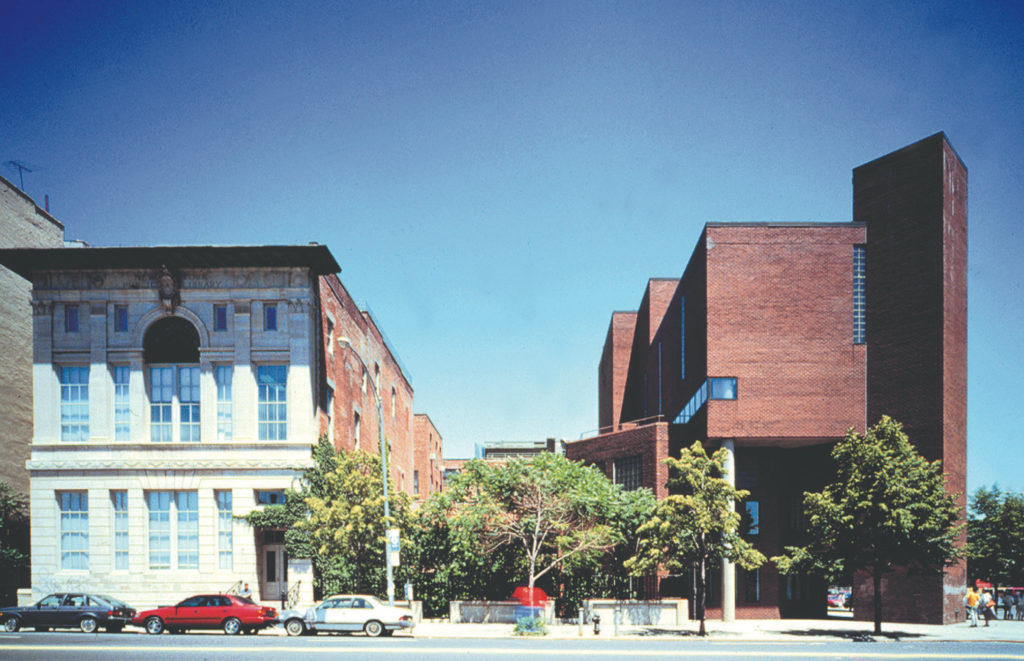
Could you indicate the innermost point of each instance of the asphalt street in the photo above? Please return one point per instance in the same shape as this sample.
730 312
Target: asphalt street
60 646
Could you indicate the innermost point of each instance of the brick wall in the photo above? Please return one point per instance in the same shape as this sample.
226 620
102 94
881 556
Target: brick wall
649 441
22 225
640 392
344 373
614 368
428 445
914 202
780 320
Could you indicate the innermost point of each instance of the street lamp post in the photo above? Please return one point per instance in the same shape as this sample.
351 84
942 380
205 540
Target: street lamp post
344 341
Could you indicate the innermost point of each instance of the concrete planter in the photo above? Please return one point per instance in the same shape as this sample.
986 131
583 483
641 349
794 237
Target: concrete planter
661 612
492 611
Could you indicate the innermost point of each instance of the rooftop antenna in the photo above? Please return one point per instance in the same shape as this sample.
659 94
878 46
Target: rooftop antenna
21 169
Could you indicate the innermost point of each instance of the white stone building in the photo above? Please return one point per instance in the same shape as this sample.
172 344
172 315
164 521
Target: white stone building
173 388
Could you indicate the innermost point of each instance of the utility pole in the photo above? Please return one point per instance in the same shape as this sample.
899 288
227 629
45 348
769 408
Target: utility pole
22 168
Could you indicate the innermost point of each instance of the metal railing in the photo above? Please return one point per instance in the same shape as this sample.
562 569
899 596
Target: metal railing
624 425
236 588
293 596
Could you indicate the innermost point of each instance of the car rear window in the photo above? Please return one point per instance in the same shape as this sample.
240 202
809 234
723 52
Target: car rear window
244 600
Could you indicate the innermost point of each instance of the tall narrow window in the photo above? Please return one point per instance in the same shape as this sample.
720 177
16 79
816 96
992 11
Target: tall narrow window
753 517
273 403
188 529
220 317
120 318
159 529
859 322
161 398
659 378
330 414
188 400
119 499
394 401
682 338
70 318
74 404
355 428
74 529
752 583
270 317
223 375
122 410
225 525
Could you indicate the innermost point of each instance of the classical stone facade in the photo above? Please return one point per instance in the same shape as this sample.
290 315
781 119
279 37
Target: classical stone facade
778 338
22 225
174 389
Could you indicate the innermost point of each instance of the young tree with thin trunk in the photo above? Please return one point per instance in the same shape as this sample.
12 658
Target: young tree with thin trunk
551 508
888 507
696 526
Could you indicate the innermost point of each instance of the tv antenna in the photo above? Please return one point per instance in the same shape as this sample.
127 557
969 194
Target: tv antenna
22 168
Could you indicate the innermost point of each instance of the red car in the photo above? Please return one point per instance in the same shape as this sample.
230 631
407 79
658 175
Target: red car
229 612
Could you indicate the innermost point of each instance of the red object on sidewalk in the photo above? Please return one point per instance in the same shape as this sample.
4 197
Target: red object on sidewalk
529 597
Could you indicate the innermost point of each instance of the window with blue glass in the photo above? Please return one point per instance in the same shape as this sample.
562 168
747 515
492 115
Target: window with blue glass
753 518
220 317
74 529
70 318
74 403
120 318
859 309
270 497
270 317
272 382
722 388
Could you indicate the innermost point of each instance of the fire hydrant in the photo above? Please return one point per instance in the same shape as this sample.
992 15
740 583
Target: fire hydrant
597 624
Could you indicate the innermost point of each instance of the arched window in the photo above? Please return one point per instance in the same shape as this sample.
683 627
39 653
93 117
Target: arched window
171 352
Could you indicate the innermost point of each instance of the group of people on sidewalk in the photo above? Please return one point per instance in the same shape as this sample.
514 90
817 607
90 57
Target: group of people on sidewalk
984 605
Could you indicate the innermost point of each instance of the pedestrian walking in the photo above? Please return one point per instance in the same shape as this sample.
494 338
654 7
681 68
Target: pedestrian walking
971 601
988 605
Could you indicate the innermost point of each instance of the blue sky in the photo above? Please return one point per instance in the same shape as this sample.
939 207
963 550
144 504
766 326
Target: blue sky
496 178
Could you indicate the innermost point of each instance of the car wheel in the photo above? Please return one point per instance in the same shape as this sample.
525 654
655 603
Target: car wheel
373 628
232 625
154 625
11 624
294 627
88 625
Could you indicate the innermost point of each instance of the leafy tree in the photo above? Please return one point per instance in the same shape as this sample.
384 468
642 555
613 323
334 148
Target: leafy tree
14 542
697 525
995 537
887 507
346 526
550 508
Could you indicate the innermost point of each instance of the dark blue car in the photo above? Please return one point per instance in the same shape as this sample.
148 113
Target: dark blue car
72 610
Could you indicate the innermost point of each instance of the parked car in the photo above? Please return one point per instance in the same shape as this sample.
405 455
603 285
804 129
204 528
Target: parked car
348 612
87 612
230 612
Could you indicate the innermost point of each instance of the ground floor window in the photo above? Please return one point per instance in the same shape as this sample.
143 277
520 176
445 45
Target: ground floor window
225 524
182 529
119 500
74 529
628 472
752 586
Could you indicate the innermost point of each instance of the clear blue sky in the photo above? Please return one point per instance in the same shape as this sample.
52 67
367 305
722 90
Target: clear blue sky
496 178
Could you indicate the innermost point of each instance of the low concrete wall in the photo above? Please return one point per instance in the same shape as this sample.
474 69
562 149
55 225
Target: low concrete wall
416 606
492 611
25 597
663 612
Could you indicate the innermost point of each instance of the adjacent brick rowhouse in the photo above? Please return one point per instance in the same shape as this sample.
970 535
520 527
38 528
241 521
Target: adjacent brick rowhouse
358 362
427 476
772 306
22 225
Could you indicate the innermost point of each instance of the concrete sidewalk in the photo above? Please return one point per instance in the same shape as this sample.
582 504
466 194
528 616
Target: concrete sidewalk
749 630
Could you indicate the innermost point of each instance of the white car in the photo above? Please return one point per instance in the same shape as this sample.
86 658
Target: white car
348 612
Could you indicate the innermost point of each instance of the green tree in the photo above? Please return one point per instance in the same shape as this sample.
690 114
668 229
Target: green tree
550 508
14 542
697 525
995 536
887 507
346 526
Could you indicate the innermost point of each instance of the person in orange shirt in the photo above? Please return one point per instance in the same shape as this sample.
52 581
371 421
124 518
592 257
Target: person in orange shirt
972 601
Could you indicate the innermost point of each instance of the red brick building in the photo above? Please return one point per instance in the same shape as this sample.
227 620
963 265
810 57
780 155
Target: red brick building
357 363
427 475
778 338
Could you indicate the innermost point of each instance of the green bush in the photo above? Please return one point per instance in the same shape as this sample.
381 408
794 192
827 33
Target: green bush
530 626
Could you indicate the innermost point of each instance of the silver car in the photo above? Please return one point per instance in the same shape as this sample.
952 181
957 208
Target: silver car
347 613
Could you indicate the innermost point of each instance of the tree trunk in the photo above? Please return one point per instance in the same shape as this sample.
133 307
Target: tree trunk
702 597
877 576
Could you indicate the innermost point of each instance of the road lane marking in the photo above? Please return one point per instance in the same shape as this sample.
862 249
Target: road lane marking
335 649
